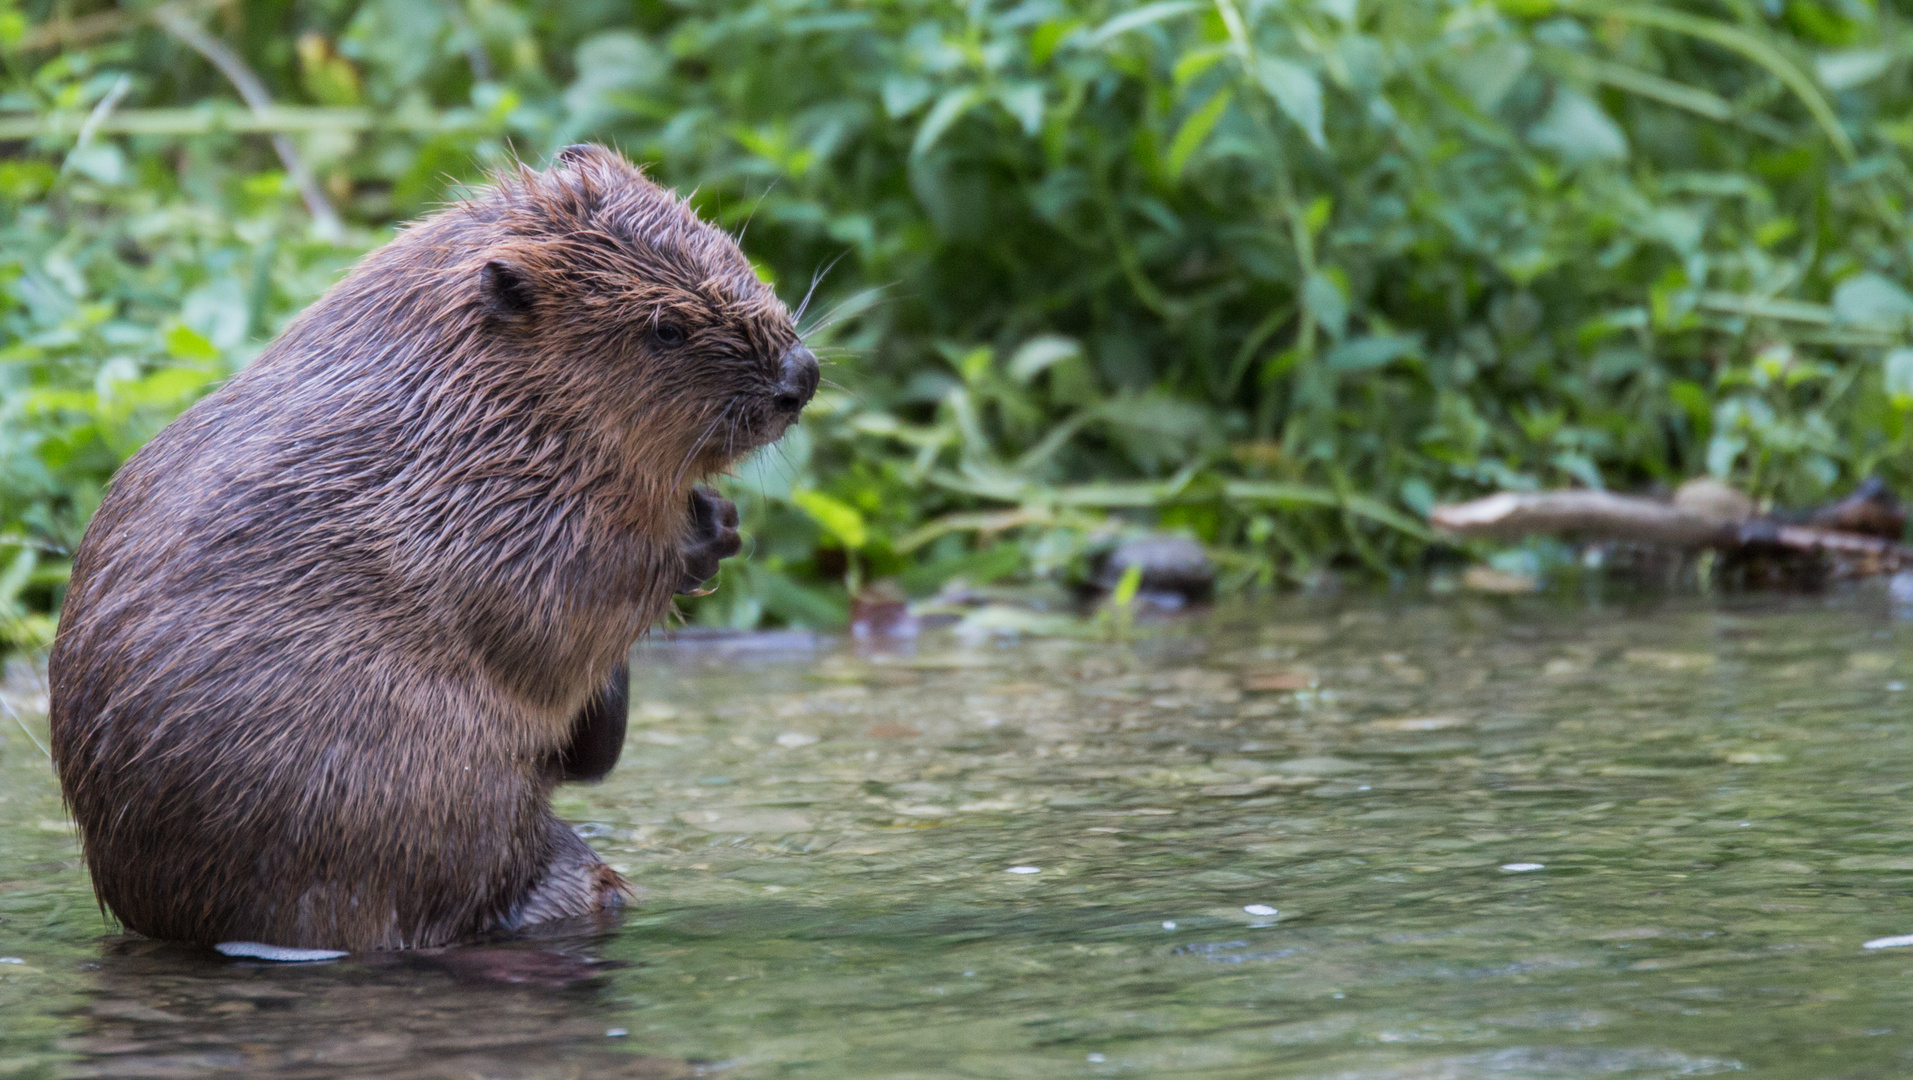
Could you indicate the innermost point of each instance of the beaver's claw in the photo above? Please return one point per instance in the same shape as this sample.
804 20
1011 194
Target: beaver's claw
713 538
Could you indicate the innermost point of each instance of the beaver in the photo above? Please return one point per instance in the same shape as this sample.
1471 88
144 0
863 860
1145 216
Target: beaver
336 632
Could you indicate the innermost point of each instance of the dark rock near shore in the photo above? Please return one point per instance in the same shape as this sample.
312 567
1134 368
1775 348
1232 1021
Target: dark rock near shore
1172 566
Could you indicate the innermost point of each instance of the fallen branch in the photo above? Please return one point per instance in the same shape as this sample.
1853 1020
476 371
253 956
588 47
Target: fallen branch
1600 515
58 32
253 92
1595 514
212 117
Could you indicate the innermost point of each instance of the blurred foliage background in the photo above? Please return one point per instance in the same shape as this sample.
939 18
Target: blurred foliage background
1277 273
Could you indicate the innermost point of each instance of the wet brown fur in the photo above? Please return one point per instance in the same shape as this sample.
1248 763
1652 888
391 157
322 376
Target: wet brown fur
329 629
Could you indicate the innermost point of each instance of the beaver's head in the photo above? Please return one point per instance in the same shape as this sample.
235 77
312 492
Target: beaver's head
646 322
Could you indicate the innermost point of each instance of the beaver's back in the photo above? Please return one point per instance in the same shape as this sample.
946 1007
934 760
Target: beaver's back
239 691
263 675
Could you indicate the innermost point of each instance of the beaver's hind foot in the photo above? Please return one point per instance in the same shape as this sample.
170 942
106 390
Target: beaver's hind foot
576 882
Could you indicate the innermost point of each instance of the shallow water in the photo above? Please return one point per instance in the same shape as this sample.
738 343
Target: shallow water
1716 797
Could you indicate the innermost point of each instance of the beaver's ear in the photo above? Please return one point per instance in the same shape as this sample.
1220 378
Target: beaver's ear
507 290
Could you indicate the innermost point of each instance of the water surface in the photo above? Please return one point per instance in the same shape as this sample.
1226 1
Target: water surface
1501 838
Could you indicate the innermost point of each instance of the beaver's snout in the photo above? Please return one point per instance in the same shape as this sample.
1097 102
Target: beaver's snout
796 381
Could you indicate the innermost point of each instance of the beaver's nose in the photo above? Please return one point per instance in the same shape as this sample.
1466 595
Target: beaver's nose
796 380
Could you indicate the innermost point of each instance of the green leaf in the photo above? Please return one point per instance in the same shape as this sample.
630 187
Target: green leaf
1382 514
1326 298
1738 40
1297 92
1141 17
167 386
1343 10
1040 352
101 161
903 95
947 111
1694 99
1281 494
1692 398
1196 61
15 576
610 67
1846 70
1577 129
1870 298
1304 495
1194 130
1049 37
1722 452
1490 72
837 518
1363 353
190 345
1897 373
1024 101
796 603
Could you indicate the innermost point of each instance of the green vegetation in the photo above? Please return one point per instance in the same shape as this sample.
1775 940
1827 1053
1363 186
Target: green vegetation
1280 274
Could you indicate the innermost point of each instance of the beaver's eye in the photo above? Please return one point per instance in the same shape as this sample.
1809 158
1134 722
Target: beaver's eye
669 334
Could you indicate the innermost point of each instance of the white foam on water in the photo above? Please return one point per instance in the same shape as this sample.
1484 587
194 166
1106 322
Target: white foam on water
259 951
1258 909
1024 870
1889 942
1522 867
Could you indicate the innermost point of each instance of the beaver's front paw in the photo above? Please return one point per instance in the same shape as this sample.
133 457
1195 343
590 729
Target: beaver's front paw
713 539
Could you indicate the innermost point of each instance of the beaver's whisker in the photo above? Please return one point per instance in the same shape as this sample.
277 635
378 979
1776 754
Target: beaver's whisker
698 447
832 316
730 435
786 471
746 227
816 277
842 389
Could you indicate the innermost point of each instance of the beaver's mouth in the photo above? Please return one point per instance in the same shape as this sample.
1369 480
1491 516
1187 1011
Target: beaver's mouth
757 420
748 426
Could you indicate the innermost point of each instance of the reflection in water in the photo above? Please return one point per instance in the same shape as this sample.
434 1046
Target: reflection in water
156 1010
1345 840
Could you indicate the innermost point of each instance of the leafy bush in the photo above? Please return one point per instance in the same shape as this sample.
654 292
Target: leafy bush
1279 274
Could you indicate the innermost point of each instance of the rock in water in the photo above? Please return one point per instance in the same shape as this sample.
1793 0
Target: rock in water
1171 566
1710 498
